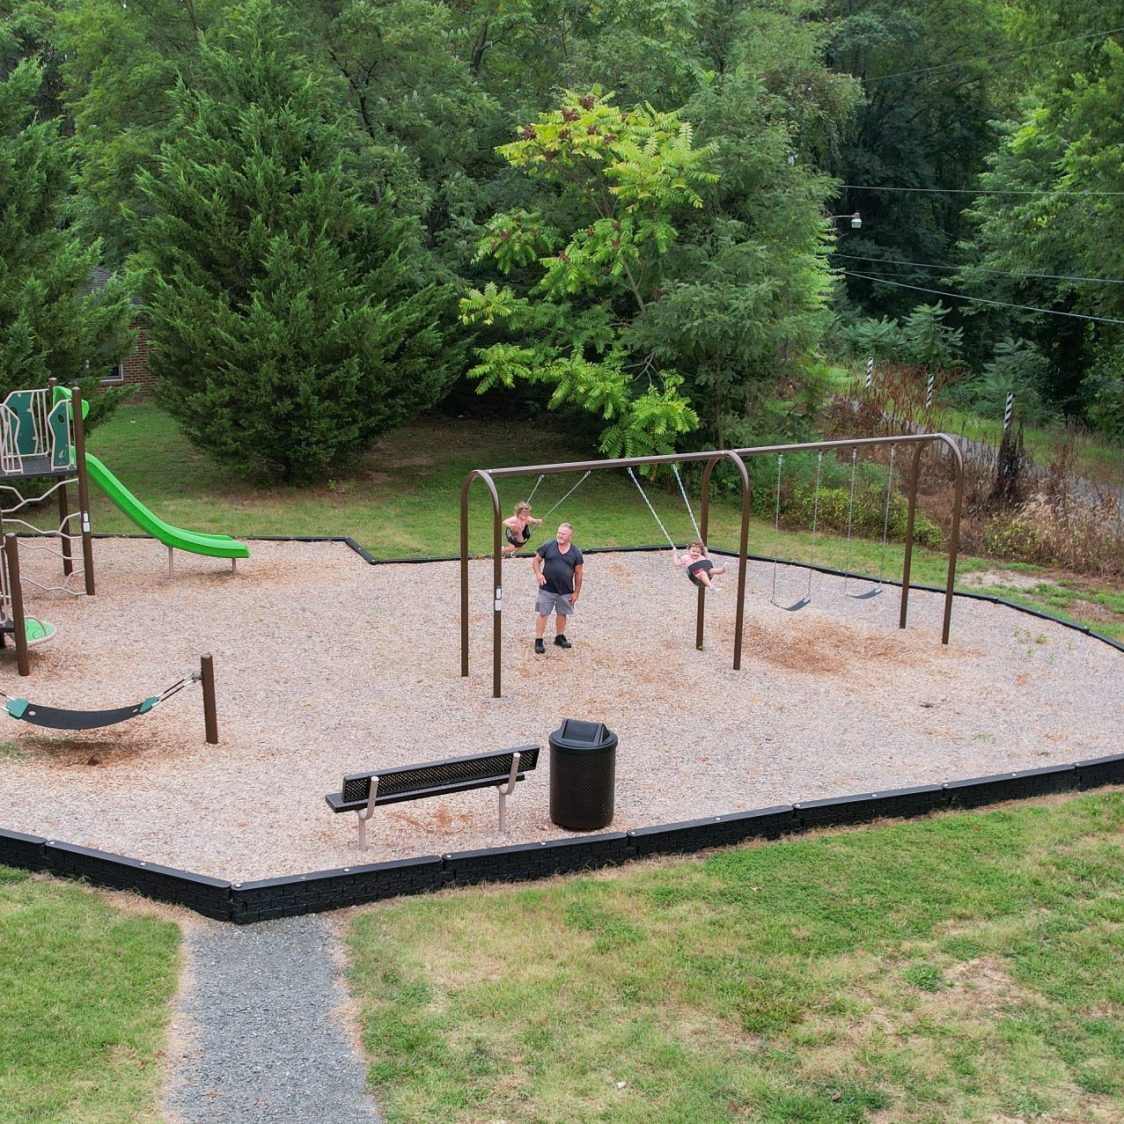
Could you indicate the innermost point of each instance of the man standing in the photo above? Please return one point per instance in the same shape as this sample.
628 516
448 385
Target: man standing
558 570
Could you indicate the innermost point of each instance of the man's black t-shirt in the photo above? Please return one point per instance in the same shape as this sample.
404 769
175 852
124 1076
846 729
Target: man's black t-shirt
558 568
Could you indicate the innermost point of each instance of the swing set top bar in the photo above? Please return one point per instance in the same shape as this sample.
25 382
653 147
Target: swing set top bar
489 475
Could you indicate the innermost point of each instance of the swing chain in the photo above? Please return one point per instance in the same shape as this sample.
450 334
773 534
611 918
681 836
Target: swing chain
566 496
190 678
644 496
686 501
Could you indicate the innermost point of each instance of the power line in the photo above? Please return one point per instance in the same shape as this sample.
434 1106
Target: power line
980 269
980 190
992 58
981 300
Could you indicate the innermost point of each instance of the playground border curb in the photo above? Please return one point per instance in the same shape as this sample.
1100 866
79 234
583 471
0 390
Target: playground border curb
245 903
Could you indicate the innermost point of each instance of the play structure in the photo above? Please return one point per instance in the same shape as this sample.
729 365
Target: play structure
42 456
917 442
42 441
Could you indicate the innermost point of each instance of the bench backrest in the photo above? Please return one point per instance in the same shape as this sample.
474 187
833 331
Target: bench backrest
433 778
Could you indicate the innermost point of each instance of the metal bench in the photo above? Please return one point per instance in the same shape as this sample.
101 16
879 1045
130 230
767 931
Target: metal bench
361 792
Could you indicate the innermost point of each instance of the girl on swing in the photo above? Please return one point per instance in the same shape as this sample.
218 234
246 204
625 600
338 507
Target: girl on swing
700 569
517 528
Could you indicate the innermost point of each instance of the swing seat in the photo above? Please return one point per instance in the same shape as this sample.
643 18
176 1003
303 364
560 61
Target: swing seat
54 719
866 596
37 631
803 603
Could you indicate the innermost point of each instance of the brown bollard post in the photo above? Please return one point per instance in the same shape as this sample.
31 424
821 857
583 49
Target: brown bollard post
210 713
15 592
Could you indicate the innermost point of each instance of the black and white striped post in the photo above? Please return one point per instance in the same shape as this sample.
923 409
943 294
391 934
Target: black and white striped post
869 372
1008 410
929 391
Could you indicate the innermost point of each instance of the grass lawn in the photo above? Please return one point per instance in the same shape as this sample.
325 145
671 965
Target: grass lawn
85 999
967 967
403 501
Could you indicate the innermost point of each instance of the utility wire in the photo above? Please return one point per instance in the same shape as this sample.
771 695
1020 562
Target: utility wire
992 58
981 300
980 190
980 269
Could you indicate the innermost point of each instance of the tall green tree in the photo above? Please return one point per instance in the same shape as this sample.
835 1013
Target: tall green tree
1048 217
53 322
290 321
120 63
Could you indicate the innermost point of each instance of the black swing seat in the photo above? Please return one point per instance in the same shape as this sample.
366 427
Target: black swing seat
55 719
866 596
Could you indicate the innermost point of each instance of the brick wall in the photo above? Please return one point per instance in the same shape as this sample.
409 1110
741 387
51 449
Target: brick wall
134 367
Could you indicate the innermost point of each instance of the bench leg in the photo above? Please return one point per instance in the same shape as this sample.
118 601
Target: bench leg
504 790
363 816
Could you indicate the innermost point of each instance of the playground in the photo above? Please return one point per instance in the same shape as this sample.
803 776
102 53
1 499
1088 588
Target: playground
327 665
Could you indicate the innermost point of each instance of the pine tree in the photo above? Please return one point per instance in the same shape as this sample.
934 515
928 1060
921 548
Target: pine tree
53 323
288 320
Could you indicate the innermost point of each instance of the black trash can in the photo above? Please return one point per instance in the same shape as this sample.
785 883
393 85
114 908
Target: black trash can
583 765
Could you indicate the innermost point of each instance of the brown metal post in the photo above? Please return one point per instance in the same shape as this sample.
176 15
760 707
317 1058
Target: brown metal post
64 525
497 569
83 487
464 571
210 710
15 592
704 521
907 561
954 540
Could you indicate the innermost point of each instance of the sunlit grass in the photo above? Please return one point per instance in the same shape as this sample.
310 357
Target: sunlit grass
968 967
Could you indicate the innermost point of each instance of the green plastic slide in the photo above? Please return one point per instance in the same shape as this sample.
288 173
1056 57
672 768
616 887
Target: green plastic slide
195 542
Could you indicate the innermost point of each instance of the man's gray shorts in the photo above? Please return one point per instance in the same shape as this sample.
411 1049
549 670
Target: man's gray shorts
548 603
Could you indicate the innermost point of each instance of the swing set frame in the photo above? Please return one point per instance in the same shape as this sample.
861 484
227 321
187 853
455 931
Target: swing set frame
489 476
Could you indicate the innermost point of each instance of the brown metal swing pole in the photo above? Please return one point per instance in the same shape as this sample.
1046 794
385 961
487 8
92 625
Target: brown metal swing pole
15 595
83 487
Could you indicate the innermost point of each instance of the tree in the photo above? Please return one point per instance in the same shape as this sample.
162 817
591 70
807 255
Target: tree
1045 234
289 319
622 178
54 324
120 62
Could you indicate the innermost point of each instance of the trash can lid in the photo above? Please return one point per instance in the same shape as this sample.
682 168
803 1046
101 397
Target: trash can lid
575 734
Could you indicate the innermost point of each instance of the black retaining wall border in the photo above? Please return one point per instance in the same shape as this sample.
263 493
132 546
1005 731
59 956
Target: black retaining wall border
289 896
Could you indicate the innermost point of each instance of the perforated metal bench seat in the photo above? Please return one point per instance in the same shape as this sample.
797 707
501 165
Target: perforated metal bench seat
362 792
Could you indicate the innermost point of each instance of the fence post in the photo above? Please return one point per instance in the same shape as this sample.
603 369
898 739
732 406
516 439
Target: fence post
929 391
869 372
1008 410
210 712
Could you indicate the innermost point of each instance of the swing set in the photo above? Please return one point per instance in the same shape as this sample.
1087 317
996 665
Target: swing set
918 441
55 718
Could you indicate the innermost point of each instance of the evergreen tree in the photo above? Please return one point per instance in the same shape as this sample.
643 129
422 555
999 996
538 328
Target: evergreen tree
54 324
286 327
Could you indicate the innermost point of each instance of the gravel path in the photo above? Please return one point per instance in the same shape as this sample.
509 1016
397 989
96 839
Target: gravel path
326 665
259 1032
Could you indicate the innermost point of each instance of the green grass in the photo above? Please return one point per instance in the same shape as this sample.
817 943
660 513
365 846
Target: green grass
967 967
403 501
85 996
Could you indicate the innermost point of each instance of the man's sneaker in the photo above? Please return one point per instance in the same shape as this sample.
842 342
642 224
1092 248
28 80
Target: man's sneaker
540 648
562 642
